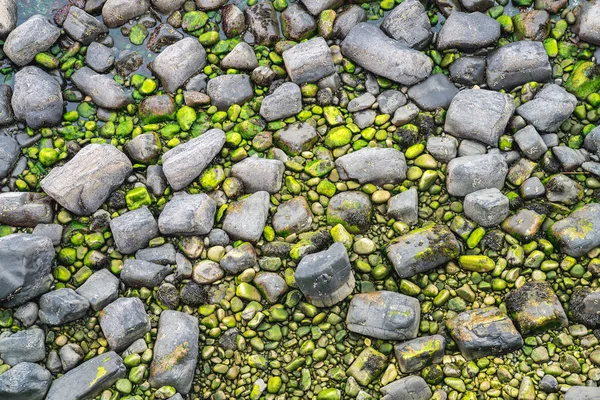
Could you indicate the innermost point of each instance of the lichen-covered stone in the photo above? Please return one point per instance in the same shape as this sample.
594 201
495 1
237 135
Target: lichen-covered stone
351 209
367 366
416 354
579 232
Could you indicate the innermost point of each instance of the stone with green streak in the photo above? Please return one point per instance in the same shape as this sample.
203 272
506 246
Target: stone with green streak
477 263
584 80
368 366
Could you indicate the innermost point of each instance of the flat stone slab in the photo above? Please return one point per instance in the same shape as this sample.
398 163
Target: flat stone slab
188 215
550 107
518 63
309 61
26 209
472 173
259 174
373 165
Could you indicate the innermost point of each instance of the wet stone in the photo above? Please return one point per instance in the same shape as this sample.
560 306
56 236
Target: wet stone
262 22
25 381
270 285
239 259
411 387
226 90
156 108
373 165
37 98
579 233
118 12
351 209
296 138
188 215
33 36
405 207
284 102
103 90
367 366
434 92
140 273
470 174
584 306
550 107
162 36
296 23
246 218
100 289
532 25
293 216
259 174
442 149
589 25
23 346
508 68
128 62
468 32
524 224
62 306
530 142
179 62
390 100
409 24
233 20
416 354
562 189
124 321
25 209
133 230
99 58
468 71
532 188
83 27
240 57
487 207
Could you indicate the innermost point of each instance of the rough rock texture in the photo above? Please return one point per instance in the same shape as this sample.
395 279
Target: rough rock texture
297 137
167 6
262 23
100 289
434 92
582 393
405 207
23 346
226 90
316 6
486 207
468 71
123 322
373 165
409 24
25 209
133 230
351 209
284 102
579 232
412 387
550 107
83 27
293 216
188 215
140 273
309 61
241 57
468 32
530 142
118 12
516 64
26 381
179 62
37 98
103 90
259 174
62 306
584 306
296 23
472 173
8 17
588 23
33 36
416 354
100 58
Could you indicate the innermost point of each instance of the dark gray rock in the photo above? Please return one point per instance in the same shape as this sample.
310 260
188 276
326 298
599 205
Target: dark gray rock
486 207
133 230
165 254
226 90
584 306
472 173
530 142
316 6
468 32
549 384
284 102
532 188
128 62
239 258
140 273
83 27
162 36
246 218
143 148
468 71
409 24
233 20
262 23
296 23
293 216
62 306
442 148
412 387
373 165
416 354
6 115
156 181
103 90
8 17
570 159
23 346
434 92
240 57
517 63
123 322
477 5
325 278
405 207
578 233
25 209
562 189
550 107
346 19
100 289
188 215
99 57
296 138
271 285
471 148
259 174
33 36
179 62
588 28
37 98
591 141
390 100
405 114
118 12
582 393
25 381
351 209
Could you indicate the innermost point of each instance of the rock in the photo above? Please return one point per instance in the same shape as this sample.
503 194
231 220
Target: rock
185 162
270 285
157 108
241 57
484 332
86 181
89 379
309 61
591 141
530 142
471 148
535 308
188 215
62 306
103 90
370 48
472 173
390 101
409 24
486 207
405 207
26 263
570 159
83 27
284 102
226 90
293 216
480 115
100 289
175 351
384 315
468 71
167 6
422 250
118 12
412 387
532 25
367 366
156 181
25 381
165 254
364 119
37 98
296 23
25 209
23 346
71 355
233 20
578 233
351 209
468 32
246 218
315 7
583 305
549 384
133 230
588 25
442 148
373 165
6 117
239 258
296 138
434 92
507 68
562 189
128 62
550 107
33 36
325 278
346 19
210 4
582 393
123 322
477 5
140 273
532 188
8 18
162 36
261 20
524 224
416 354
144 148
259 174
207 272
99 58
27 314
179 62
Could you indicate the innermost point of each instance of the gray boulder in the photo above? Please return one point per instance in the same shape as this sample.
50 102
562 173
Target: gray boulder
37 98
480 115
416 354
179 62
346 19
8 17
175 351
309 61
592 140
6 113
140 273
118 12
188 215
103 90
259 174
588 26
167 6
133 230
442 148
226 90
123 322
99 57
156 181
325 278
518 63
27 313
405 207
293 216
390 100
570 159
578 233
185 162
100 289
9 153
51 231
316 6
434 92
23 346
86 181
472 173
296 138
409 24
165 254
284 102
486 207
550 107
530 142
33 36
26 381
62 306
468 32
239 258
582 392
412 387
361 102
144 148
240 57
351 209
562 189
370 48
262 23
83 27
373 165
246 218
468 71
296 23
25 209
384 315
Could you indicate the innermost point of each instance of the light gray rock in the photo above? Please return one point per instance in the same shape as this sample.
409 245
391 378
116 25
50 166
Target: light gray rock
517 63
468 71
100 289
365 118
434 92
103 90
209 4
532 188
8 17
83 27
591 167
33 36
271 285
293 216
362 102
25 209
62 306
486 207
284 102
468 32
165 254
226 90
296 23
246 218
530 142
550 107
207 272
405 207
470 174
144 148
123 322
26 381
239 258
591 142
373 165
262 23
416 354
316 6
71 355
370 48
442 148
52 231
588 27
156 181
412 387
6 113
259 174
296 138
405 114
9 153
99 57
570 159
133 230
582 393
188 215
346 19
240 57
140 273
179 62
24 346
471 148
37 98
390 100
409 24
27 313
167 6
118 12
578 233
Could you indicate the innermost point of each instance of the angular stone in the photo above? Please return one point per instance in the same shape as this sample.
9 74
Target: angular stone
416 354
524 224
226 90
384 315
487 207
123 322
588 25
405 207
550 107
262 23
296 138
246 218
570 159
412 387
584 306
296 23
532 25
240 57
99 57
133 230
390 100
578 233
259 174
309 61
143 148
293 216
103 90
37 98
25 209
239 258
347 18
409 24
26 381
62 306
162 36
367 366
471 148
468 71
284 102
179 62
83 27
207 272
140 273
468 32
118 12
270 285
24 346
518 63
562 189
351 209
442 148
33 36
530 142
470 174
434 92
188 215
233 20
315 7
8 17
6 117
592 140
373 165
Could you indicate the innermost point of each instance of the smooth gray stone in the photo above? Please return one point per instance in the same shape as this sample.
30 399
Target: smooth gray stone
140 273
346 19
156 181
373 165
175 351
167 6
284 102
226 90
409 24
296 138
591 142
530 142
472 173
316 6
33 36
25 209
416 354
391 100
52 231
86 181
364 119
570 159
422 250
550 107
434 92
532 188
24 346
271 285
6 116
362 102
384 315
209 4
165 254
188 215
352 209
468 71
83 27
103 90
26 381
100 289
582 393
480 115
179 62
238 259
468 32
242 56
471 148
27 313
62 306
8 17
85 381
293 216
185 162
262 23
591 167
405 207
246 218
579 233
71 355
442 148
206 272
37 98
99 57
143 148
133 230
518 63
588 29
325 278
296 23
405 114
370 48
486 207
412 387
259 174
118 12
26 263
309 61
123 322
549 384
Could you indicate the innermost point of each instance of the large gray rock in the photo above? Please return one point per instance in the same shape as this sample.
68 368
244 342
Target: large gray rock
472 173
588 23
99 57
33 36
530 142
226 90
316 6
24 346
103 90
26 381
62 306
409 24
118 12
133 230
89 379
405 207
550 107
370 48
384 315
259 174
123 322
468 32
480 115
309 61
570 159
6 113
434 92
8 17
262 23
412 387
442 148
373 165
285 101
37 98
325 278
486 207
422 250
293 216
175 351
25 209
246 218
582 393
84 183
179 62
185 162
347 18
517 63
26 265
296 23
140 273
167 6
419 353
579 232
100 289
188 215
83 27
242 56
297 137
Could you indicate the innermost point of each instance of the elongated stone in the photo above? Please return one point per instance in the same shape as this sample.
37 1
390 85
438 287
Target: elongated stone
179 62
309 61
416 354
33 36
373 165
517 63
103 90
